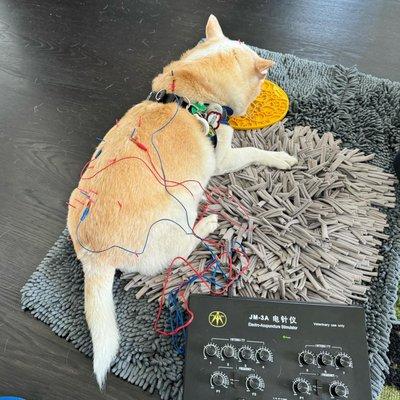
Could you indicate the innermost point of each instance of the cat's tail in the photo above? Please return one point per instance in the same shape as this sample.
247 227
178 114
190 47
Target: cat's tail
100 316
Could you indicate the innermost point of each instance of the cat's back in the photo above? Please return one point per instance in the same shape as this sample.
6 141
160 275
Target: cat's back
124 181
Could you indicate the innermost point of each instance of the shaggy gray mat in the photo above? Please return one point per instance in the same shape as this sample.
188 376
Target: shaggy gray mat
363 111
312 233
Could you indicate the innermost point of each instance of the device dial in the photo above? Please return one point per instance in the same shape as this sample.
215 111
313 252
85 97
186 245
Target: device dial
301 386
343 360
219 380
325 359
255 382
338 389
211 350
306 357
228 351
246 353
264 355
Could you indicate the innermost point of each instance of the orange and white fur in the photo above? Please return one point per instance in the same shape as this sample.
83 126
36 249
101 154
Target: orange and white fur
127 198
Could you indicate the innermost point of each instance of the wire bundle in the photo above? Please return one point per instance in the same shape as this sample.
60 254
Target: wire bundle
176 301
213 276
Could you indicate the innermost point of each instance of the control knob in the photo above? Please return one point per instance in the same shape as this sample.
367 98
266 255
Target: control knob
307 358
255 382
246 353
301 386
343 360
325 359
211 350
228 351
338 389
264 355
219 379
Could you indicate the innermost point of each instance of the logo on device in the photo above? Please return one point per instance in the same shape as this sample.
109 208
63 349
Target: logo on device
217 319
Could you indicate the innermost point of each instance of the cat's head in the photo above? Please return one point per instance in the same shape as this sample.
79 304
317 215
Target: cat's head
220 70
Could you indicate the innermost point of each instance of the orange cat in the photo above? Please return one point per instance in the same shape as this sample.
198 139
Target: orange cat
122 198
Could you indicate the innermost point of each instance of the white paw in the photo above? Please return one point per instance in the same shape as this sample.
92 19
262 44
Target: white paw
280 160
207 225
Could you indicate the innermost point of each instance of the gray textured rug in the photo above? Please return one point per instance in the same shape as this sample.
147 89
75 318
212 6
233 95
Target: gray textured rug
363 111
312 233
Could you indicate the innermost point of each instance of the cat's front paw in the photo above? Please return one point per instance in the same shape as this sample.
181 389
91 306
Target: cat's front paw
206 225
281 160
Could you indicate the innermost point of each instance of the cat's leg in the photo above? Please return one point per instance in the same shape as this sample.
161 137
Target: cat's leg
202 229
168 242
230 160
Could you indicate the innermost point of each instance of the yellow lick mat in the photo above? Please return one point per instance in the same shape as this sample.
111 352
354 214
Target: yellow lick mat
270 106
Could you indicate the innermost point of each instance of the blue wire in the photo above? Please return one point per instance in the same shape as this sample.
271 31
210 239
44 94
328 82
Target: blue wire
115 246
156 222
176 316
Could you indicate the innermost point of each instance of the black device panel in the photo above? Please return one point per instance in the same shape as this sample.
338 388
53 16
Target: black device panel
242 349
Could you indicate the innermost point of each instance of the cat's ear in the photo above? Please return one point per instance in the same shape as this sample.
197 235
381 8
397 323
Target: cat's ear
263 65
213 28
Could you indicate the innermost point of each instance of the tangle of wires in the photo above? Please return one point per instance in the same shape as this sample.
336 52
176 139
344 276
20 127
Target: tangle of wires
175 301
179 315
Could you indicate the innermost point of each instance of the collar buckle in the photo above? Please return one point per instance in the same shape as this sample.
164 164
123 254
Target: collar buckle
160 95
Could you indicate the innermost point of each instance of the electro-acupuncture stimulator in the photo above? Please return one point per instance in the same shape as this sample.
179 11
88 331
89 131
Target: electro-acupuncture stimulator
242 349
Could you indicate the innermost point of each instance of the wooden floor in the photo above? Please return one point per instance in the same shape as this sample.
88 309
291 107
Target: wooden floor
68 69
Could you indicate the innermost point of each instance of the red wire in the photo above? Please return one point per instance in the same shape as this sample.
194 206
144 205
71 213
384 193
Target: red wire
166 180
211 200
84 168
185 303
169 183
155 172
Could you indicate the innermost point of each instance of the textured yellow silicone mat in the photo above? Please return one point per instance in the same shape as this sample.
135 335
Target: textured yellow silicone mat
270 106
